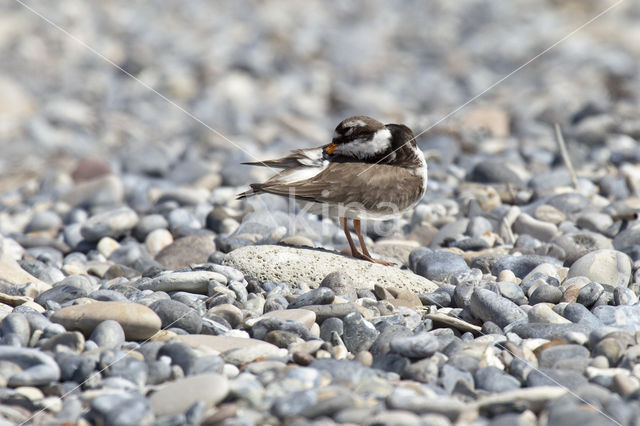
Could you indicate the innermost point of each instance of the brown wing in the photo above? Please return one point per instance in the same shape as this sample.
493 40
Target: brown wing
352 183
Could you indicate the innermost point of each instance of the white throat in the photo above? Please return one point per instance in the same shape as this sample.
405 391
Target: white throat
364 148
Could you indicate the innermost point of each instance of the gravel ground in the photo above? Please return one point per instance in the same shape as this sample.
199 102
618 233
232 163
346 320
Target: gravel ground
135 289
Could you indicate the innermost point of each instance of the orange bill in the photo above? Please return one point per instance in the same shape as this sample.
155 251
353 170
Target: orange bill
331 148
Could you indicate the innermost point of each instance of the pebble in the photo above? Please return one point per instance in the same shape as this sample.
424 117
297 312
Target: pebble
545 294
137 321
36 367
418 346
108 335
120 408
521 265
113 223
543 231
318 296
610 268
489 306
359 334
15 328
341 284
176 314
192 249
439 265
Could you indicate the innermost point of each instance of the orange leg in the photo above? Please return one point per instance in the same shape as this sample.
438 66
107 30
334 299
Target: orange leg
365 253
352 246
356 225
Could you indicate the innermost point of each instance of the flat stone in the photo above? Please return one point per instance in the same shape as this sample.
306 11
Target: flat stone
178 396
191 281
137 321
295 265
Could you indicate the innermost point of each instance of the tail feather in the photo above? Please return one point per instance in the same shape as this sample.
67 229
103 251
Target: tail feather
256 188
266 163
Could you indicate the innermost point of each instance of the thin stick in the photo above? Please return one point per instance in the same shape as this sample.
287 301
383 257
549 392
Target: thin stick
565 156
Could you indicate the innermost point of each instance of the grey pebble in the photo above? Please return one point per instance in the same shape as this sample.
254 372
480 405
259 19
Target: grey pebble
588 294
113 223
61 294
147 224
549 357
176 314
493 379
359 334
521 265
318 296
264 326
579 314
341 284
439 265
121 409
108 335
38 368
17 325
545 294
331 325
417 346
450 376
489 306
555 377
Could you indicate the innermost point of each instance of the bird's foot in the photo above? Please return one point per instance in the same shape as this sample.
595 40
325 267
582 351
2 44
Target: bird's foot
368 258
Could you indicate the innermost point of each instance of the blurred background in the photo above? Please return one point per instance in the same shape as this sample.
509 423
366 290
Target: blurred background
276 75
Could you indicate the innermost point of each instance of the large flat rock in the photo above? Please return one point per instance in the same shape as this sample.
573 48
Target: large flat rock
295 265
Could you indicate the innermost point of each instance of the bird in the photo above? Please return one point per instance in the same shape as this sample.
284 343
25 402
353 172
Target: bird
369 171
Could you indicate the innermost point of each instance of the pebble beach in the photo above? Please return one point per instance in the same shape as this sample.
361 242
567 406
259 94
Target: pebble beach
135 289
